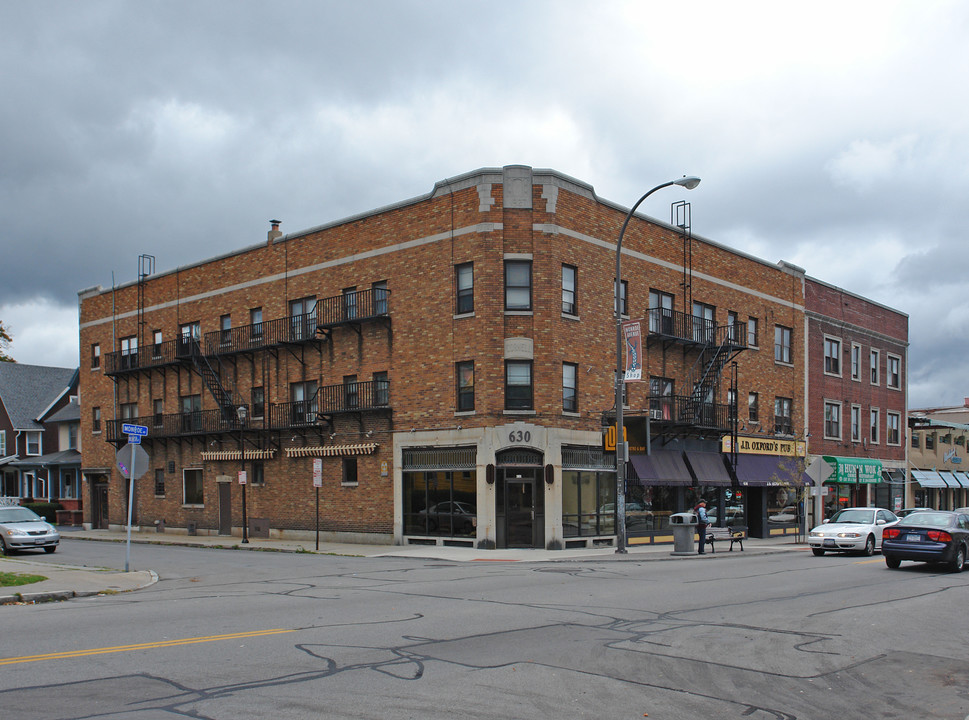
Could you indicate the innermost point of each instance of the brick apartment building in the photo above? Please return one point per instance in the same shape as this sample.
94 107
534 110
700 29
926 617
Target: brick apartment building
441 371
857 353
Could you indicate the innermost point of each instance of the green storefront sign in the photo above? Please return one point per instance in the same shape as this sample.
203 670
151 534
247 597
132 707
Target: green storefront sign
854 470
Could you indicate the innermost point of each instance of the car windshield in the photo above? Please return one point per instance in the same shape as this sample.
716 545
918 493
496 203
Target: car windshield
17 514
928 518
864 517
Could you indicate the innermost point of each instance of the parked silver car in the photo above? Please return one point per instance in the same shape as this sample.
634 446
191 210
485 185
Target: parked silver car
23 529
852 529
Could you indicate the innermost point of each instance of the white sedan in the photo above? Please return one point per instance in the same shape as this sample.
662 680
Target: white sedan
852 529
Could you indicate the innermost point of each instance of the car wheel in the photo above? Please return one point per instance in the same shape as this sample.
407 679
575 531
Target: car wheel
960 559
893 563
3 547
50 548
869 546
817 551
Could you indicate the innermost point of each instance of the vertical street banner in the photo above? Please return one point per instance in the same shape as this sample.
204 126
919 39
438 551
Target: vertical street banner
632 331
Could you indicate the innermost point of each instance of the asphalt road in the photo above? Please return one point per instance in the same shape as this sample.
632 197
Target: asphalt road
229 634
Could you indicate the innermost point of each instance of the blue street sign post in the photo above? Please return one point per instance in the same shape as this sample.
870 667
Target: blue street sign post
134 433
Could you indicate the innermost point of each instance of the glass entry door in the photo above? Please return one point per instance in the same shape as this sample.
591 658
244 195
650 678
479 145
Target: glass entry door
520 512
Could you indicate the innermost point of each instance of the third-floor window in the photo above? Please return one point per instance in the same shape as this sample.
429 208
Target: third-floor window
569 299
518 285
464 282
832 356
782 344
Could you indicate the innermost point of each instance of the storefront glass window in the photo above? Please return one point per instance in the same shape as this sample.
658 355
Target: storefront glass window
588 503
782 506
440 502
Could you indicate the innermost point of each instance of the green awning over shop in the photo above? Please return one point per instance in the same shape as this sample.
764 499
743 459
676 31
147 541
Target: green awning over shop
854 470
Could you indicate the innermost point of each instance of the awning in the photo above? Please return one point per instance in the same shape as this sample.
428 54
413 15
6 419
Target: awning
765 470
235 455
950 479
963 478
332 450
928 479
661 467
854 470
708 468
60 457
893 477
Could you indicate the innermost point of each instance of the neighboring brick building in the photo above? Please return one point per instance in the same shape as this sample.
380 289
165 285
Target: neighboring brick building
938 440
443 368
857 353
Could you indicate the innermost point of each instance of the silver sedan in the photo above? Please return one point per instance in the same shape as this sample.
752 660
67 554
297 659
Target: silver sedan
23 529
852 530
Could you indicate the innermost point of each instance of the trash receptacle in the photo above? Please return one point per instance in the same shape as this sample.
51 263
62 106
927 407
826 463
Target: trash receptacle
684 528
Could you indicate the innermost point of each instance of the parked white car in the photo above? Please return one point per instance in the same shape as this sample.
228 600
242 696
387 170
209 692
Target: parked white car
852 530
23 529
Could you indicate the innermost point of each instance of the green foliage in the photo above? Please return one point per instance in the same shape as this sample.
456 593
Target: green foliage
5 341
46 510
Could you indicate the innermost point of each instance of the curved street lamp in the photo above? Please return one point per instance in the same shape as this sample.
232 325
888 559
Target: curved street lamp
621 450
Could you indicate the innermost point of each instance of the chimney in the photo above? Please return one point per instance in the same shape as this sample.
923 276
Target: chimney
274 232
967 402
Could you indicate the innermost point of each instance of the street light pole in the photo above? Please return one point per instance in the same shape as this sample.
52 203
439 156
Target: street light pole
241 413
621 448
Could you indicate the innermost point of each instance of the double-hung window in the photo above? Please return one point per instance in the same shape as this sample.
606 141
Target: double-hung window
464 379
95 356
569 299
464 284
660 312
782 344
381 297
752 335
129 352
832 356
874 425
782 416
856 423
518 284
892 435
832 420
703 322
873 364
570 380
753 407
518 385
894 369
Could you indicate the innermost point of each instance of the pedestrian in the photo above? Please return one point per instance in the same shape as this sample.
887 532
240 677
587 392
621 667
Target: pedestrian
702 522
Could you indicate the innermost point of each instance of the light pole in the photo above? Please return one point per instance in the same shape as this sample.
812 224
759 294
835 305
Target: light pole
689 183
241 414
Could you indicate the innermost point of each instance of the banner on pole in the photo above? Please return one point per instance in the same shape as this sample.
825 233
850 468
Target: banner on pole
632 331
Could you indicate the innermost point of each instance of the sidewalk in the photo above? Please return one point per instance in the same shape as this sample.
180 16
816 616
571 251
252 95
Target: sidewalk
65 582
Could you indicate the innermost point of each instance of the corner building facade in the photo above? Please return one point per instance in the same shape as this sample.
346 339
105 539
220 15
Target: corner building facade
442 371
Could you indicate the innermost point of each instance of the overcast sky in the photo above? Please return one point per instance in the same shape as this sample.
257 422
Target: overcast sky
833 135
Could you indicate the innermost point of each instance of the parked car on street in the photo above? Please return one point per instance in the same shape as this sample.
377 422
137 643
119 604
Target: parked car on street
23 529
853 530
934 536
905 512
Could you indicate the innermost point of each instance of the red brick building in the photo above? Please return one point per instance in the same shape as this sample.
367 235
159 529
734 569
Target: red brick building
857 352
443 369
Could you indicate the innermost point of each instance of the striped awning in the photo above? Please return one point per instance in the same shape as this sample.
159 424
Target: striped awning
252 454
331 450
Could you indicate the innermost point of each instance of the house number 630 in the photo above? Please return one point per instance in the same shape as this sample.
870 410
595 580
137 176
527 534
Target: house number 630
517 436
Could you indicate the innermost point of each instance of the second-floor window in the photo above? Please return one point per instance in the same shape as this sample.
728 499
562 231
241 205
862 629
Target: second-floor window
892 436
518 385
703 322
302 318
381 297
782 344
72 436
225 328
381 389
832 356
351 391
156 344
930 441
782 416
464 285
33 442
569 299
95 356
158 411
518 285
258 402
96 419
753 407
303 397
464 376
129 411
350 303
570 380
856 423
874 425
660 398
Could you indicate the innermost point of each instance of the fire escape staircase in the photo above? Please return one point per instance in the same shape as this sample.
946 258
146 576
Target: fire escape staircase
212 377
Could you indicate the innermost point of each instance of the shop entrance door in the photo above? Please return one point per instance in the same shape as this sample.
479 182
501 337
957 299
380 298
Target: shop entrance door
99 503
225 508
520 512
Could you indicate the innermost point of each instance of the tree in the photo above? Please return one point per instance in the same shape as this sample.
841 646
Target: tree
5 341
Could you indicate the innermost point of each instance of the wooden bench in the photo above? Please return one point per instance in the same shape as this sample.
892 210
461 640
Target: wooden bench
735 534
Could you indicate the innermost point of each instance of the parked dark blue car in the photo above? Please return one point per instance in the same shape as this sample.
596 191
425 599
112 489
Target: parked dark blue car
932 536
